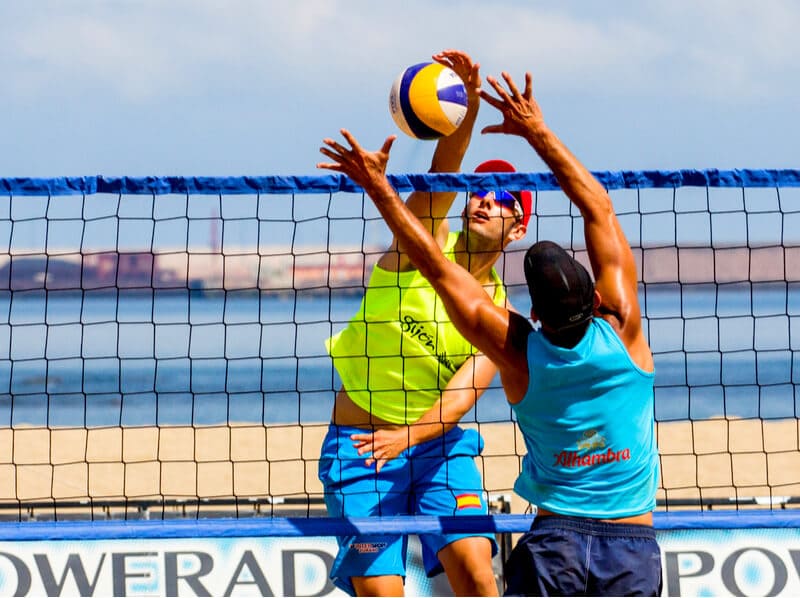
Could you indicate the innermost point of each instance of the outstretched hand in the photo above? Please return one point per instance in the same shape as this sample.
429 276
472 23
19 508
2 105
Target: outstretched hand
520 111
463 66
363 167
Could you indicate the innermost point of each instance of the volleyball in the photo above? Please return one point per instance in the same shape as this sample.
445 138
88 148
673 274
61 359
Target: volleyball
428 101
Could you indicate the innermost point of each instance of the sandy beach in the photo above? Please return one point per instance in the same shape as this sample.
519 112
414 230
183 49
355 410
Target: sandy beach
711 459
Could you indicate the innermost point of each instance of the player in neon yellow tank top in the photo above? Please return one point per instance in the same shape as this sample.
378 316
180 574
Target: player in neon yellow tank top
406 323
408 378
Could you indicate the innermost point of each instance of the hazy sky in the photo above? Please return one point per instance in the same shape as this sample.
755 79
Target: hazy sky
240 87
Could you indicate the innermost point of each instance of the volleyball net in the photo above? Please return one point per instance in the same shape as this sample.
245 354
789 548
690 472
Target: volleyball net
162 339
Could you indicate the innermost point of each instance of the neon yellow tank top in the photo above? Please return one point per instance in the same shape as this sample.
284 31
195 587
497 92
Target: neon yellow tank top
400 350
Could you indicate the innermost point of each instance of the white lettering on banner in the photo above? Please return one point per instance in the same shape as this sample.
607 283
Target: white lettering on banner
179 567
736 562
213 567
702 562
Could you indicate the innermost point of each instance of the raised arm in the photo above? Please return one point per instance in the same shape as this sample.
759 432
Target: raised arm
432 208
494 330
610 254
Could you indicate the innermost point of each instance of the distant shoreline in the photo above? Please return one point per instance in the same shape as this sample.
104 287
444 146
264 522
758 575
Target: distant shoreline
347 269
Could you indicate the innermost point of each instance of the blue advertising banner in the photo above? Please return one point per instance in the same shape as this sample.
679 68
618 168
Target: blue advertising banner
701 561
237 566
731 562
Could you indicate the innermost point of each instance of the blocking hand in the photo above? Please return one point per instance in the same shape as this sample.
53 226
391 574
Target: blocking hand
520 111
363 167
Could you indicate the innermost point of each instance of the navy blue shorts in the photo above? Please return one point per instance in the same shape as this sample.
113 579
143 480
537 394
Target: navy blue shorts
575 556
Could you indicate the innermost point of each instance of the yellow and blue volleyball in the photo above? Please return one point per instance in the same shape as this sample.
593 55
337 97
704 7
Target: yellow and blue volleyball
428 101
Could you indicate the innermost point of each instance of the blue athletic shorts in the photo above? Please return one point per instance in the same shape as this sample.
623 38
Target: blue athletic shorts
438 477
575 556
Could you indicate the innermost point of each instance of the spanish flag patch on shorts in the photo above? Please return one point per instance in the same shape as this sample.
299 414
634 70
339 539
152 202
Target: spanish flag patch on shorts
468 501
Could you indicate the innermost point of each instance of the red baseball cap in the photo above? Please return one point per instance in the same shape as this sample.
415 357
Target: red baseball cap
525 198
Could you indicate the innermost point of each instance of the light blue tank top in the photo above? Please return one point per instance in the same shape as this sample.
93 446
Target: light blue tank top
589 428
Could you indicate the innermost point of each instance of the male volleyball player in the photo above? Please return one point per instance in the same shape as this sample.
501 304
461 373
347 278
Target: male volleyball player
581 385
408 377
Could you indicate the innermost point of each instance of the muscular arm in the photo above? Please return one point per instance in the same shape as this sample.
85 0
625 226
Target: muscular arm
432 207
612 260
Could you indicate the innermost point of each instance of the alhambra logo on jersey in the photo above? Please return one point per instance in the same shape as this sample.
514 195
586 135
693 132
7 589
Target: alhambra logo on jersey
591 440
591 451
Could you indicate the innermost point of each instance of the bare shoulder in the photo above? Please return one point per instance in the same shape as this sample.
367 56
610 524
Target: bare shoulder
519 328
395 259
632 336
513 366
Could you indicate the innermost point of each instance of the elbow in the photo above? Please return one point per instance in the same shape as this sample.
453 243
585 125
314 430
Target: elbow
601 209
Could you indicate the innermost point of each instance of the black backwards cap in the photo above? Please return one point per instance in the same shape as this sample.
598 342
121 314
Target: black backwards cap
562 291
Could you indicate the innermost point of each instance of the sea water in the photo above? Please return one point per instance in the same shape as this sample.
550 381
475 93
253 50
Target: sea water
140 358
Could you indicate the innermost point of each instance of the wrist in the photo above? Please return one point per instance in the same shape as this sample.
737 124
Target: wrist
536 131
473 106
377 187
536 126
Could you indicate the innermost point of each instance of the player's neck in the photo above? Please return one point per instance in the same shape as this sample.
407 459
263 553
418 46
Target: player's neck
475 258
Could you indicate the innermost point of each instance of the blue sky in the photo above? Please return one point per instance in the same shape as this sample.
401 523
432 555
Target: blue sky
239 87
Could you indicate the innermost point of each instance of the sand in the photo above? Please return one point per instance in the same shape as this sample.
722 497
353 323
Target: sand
711 459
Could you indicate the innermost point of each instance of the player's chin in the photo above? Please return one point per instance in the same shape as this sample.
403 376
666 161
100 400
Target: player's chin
478 222
483 228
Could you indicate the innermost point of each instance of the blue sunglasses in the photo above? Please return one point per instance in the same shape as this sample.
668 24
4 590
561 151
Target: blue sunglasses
501 196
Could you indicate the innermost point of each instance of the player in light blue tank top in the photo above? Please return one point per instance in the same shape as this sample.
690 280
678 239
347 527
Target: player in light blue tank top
587 420
581 383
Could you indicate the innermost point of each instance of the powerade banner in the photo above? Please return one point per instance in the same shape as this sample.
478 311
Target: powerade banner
703 562
182 567
732 562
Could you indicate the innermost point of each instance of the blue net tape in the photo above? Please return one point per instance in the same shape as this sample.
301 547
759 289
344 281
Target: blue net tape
326 526
243 185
